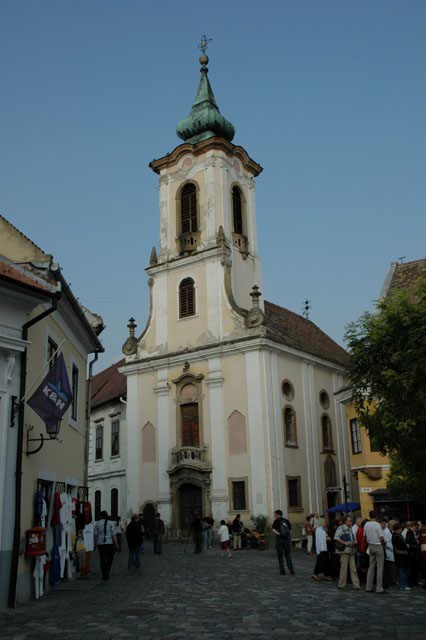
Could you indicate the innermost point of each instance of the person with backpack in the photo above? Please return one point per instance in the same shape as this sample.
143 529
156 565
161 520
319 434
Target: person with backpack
237 531
281 528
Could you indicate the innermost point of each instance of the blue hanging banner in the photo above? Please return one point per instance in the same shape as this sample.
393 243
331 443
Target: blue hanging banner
53 397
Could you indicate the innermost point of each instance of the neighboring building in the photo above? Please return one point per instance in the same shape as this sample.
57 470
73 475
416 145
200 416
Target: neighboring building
60 464
230 402
108 443
20 293
369 467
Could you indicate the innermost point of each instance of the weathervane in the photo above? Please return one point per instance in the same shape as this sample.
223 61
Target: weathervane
204 44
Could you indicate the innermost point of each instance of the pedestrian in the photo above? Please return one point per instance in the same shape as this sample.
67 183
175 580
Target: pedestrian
314 524
197 533
414 552
402 558
422 542
208 523
106 542
345 547
309 533
389 570
119 533
356 526
237 531
375 540
134 539
322 565
224 539
281 528
158 532
362 559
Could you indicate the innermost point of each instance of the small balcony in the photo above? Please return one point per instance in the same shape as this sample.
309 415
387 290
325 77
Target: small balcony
194 457
188 242
242 243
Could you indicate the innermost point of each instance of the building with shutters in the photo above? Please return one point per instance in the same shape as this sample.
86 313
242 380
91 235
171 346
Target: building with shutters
108 445
230 399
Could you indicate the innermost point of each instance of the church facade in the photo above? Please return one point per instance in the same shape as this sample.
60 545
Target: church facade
230 400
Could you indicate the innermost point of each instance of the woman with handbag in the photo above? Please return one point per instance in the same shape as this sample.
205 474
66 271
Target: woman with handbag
345 547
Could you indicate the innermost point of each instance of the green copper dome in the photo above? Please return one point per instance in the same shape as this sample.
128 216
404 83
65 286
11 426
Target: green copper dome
205 120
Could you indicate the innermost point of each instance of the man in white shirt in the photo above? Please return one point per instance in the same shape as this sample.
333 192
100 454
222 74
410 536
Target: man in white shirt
375 540
356 526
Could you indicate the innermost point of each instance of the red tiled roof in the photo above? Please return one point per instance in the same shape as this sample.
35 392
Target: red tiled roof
297 332
108 385
406 275
9 272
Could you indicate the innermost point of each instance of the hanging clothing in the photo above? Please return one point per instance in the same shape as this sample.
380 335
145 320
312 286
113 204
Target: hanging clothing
56 517
38 575
89 537
55 566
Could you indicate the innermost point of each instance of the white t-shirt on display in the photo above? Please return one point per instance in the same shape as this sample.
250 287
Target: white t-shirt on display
373 532
223 533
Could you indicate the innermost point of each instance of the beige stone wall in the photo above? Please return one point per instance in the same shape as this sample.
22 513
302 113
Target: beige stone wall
58 461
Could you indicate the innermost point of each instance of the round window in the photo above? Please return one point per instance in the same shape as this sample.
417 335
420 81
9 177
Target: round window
324 399
288 390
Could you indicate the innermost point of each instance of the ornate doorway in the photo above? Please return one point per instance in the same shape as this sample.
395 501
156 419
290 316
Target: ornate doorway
191 501
148 517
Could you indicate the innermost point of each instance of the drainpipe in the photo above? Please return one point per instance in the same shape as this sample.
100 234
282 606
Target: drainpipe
20 442
88 410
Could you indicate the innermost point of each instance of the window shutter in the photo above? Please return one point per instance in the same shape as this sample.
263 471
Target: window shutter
186 298
190 428
237 210
188 209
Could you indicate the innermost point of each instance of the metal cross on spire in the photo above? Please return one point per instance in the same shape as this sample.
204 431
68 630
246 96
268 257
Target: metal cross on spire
204 44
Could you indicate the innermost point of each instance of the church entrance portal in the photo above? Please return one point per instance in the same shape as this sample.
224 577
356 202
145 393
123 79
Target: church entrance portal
148 516
191 501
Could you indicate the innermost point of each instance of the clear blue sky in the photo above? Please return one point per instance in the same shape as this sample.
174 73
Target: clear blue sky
329 96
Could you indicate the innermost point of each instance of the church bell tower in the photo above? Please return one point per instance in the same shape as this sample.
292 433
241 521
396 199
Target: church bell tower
208 239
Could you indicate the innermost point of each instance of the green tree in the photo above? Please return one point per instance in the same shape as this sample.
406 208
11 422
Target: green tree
387 373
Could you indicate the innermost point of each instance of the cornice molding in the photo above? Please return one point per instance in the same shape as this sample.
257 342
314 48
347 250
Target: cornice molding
202 147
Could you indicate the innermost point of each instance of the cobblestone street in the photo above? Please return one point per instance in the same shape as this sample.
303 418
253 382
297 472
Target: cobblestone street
179 596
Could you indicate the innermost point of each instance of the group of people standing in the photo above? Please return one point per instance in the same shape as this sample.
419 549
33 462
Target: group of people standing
108 535
377 553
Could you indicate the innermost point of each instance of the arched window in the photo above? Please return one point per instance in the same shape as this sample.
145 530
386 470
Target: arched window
237 209
98 499
186 298
290 430
114 503
188 209
327 440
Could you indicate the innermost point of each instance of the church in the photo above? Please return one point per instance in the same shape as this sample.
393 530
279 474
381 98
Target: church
231 402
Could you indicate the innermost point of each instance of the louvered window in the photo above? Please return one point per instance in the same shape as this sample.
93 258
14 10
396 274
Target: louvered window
186 298
188 209
190 430
237 208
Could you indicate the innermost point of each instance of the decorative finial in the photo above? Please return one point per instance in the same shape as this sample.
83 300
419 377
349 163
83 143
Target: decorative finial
186 366
255 316
204 44
204 59
131 327
255 295
130 347
153 258
307 306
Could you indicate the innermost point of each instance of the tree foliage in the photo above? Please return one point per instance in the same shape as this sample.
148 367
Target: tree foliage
387 373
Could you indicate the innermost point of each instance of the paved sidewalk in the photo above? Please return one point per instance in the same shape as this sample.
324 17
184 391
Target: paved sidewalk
185 597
